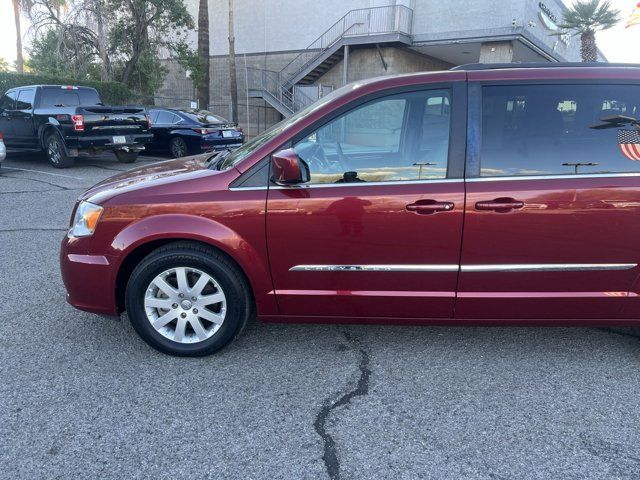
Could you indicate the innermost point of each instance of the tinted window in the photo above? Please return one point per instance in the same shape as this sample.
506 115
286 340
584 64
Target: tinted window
8 101
154 116
61 97
549 129
203 116
401 137
167 118
25 99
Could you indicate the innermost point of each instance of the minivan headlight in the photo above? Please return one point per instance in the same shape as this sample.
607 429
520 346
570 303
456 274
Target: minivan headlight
85 220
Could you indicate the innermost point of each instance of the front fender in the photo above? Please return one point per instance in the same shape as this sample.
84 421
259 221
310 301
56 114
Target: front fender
251 258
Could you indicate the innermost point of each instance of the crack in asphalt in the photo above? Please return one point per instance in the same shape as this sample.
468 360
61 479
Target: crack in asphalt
61 187
330 456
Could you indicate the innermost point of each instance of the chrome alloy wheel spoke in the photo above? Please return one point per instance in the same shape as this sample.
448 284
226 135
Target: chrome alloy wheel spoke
185 305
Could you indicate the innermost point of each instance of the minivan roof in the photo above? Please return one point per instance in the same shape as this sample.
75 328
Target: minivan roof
495 66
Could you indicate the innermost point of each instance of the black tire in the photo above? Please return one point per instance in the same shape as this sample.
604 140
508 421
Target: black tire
126 157
185 254
178 147
55 151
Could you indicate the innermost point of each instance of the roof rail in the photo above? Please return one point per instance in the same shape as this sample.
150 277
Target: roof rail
494 66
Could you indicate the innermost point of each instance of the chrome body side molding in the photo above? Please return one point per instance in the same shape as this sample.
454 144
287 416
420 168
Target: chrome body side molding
547 267
525 267
375 268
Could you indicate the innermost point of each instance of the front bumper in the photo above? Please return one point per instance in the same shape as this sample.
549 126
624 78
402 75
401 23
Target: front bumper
89 279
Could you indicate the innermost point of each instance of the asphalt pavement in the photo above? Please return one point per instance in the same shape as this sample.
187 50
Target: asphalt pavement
83 397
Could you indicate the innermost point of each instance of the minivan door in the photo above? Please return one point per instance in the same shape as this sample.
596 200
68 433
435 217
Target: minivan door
376 233
553 201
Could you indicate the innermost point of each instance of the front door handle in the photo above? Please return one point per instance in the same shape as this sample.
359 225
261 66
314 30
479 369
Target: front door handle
500 205
426 207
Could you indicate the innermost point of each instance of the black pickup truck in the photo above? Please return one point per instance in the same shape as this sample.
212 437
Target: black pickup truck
68 121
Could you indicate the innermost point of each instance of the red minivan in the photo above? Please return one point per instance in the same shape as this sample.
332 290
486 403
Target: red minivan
499 194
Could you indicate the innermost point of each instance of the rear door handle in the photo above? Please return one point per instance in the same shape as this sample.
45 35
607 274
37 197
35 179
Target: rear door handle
426 207
500 205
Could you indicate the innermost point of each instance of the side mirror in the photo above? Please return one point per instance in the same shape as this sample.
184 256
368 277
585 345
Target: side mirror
288 169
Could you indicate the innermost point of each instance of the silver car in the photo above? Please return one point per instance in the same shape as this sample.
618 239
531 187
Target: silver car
3 149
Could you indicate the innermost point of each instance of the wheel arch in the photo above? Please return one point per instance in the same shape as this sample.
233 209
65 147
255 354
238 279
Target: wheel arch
45 130
137 254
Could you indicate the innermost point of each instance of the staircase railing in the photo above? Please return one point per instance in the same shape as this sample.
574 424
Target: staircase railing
269 81
358 22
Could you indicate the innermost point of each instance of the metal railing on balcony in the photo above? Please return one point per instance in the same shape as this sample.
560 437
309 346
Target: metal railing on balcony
359 22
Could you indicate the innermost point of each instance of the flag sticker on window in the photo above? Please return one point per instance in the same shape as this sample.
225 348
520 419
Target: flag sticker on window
629 142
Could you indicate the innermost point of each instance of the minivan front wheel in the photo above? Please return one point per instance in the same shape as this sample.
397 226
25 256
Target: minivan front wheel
188 300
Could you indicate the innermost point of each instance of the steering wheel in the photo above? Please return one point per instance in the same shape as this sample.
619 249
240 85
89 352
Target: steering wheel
317 159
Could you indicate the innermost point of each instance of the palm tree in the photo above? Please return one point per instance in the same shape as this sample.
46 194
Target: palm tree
585 18
203 54
18 7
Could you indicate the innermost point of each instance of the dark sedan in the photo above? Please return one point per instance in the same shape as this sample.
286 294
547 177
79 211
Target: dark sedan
190 131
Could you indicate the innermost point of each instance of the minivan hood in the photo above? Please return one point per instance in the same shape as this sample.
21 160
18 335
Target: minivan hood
144 177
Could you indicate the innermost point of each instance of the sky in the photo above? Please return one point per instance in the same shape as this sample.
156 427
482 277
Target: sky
618 44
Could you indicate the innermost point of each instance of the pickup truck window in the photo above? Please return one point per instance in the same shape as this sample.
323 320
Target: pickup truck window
25 99
8 101
58 97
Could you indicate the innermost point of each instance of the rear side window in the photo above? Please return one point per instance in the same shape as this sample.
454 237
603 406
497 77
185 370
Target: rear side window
167 118
559 129
25 99
60 97
8 101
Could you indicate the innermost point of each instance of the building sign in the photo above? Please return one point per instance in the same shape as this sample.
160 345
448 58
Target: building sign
550 22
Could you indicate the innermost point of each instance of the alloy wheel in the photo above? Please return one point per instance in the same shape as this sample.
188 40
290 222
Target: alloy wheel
53 150
178 148
185 305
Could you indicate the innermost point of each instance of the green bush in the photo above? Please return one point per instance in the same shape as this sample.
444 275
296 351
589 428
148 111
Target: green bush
111 93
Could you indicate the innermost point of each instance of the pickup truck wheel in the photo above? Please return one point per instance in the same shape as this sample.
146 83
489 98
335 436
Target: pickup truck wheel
126 157
56 153
187 300
178 147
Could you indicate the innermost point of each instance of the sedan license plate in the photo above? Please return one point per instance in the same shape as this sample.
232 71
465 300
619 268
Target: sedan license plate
119 139
227 133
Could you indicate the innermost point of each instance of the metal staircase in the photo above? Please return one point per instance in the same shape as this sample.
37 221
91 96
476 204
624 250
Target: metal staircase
375 25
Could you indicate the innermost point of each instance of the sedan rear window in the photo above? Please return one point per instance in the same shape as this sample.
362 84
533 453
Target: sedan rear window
204 117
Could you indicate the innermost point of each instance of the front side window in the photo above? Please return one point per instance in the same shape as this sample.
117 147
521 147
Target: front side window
559 129
397 138
8 101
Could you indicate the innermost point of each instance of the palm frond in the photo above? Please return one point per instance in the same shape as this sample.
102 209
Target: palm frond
590 16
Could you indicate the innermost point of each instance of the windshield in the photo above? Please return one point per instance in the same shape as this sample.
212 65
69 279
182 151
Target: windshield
255 143
204 116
